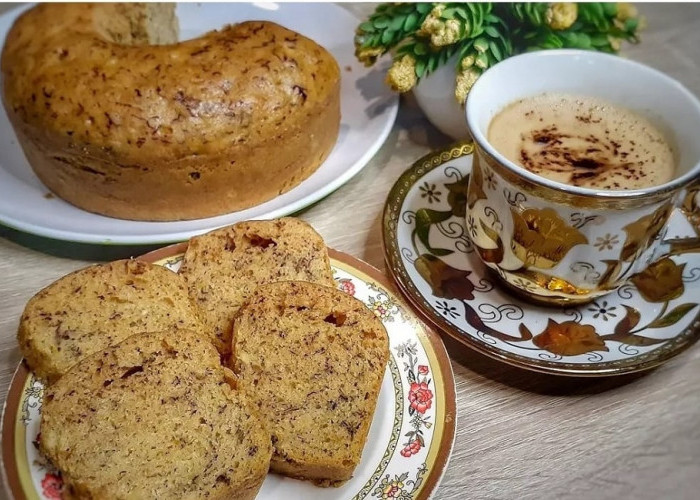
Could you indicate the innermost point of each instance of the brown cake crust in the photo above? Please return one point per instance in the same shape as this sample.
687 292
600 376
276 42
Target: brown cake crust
167 132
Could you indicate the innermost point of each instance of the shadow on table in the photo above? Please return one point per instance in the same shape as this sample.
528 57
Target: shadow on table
527 380
72 250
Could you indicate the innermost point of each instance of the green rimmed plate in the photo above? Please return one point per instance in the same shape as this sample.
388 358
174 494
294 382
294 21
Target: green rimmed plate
410 439
430 256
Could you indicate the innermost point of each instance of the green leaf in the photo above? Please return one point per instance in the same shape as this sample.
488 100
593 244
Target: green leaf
673 317
570 38
462 12
411 22
381 22
536 16
610 9
433 62
583 41
420 68
420 49
405 8
397 23
631 24
426 217
596 9
387 36
491 31
477 14
367 27
495 51
448 13
476 31
599 40
424 8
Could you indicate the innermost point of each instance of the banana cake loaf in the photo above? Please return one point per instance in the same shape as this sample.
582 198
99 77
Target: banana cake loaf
118 118
93 308
223 267
313 359
154 416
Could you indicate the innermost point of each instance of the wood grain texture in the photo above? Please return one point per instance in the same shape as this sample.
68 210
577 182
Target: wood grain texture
520 435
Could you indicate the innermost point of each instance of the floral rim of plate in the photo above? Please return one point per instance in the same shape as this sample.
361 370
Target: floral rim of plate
422 428
430 256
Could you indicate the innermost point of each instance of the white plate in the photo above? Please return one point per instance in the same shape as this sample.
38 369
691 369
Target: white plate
368 112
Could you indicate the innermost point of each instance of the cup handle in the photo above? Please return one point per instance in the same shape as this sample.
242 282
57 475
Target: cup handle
690 206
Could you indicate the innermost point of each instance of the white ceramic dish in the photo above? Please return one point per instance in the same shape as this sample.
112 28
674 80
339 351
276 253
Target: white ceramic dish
368 112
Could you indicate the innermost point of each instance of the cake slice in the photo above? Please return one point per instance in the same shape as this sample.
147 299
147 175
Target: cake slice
313 359
93 308
154 416
223 267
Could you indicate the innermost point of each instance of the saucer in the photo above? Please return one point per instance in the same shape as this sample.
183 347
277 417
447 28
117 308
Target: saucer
647 321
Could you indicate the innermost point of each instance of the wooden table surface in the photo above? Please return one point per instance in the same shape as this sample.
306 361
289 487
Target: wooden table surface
519 434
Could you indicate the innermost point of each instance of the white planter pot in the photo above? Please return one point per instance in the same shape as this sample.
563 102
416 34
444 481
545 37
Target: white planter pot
435 95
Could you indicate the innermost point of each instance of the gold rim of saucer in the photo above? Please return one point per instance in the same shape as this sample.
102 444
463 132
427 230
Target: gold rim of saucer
397 269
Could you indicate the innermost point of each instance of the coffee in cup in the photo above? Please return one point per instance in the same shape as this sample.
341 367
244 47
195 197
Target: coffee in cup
583 141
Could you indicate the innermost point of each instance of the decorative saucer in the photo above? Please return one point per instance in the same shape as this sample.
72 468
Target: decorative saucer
647 321
409 442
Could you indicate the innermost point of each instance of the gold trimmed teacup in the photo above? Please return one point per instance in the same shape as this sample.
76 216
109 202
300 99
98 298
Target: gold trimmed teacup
555 243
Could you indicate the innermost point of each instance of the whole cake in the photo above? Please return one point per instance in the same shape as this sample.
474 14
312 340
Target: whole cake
119 119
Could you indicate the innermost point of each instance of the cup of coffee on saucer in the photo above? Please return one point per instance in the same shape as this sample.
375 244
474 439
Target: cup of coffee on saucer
580 159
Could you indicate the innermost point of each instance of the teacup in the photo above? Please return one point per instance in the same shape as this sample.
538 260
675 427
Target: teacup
555 243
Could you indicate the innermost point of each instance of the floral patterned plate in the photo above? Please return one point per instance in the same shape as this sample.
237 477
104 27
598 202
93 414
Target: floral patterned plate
409 441
653 317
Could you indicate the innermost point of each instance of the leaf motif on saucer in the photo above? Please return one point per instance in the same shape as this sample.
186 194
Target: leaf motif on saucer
457 196
426 217
444 280
628 322
673 317
641 232
569 338
660 282
476 186
541 238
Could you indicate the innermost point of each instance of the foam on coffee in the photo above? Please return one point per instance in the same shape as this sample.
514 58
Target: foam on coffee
583 141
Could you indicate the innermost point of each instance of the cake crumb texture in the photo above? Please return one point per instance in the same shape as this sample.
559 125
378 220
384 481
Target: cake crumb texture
154 417
223 268
98 306
313 358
